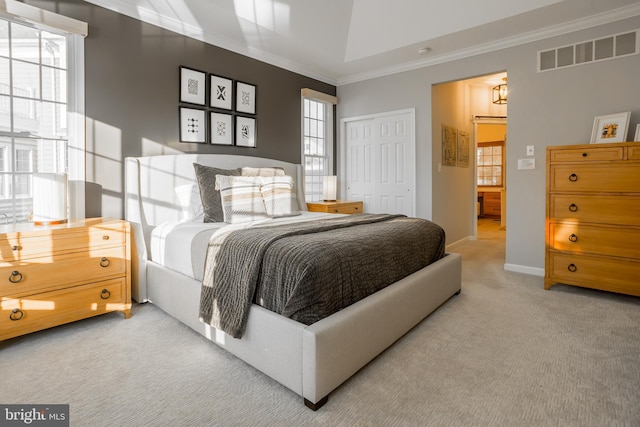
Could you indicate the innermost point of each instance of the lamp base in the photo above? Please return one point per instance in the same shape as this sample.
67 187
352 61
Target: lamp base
53 222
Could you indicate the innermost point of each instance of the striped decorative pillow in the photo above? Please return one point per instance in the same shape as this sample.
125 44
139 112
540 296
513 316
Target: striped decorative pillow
241 198
279 196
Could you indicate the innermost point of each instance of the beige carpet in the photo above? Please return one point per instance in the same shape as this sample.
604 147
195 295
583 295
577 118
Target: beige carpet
502 353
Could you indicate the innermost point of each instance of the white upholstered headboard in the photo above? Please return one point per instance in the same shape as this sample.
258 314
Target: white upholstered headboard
151 199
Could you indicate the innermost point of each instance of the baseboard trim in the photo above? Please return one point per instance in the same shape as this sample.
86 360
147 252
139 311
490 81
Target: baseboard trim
534 271
459 242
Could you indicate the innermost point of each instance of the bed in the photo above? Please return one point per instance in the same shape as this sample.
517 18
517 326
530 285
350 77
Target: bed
311 360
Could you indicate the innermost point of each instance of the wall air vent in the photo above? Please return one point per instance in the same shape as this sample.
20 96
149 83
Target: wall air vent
611 47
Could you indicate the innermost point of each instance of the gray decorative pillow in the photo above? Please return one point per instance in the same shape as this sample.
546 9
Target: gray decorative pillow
206 176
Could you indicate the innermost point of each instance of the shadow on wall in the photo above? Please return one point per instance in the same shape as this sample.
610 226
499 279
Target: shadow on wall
92 199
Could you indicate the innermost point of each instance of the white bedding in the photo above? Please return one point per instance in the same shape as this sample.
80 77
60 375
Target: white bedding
182 246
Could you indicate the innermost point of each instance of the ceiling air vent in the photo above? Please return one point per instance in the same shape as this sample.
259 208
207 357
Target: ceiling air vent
610 47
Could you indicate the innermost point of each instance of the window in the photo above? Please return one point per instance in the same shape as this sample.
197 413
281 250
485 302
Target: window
317 141
41 82
489 163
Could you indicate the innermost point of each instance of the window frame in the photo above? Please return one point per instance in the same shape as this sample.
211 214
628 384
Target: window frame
73 32
314 192
479 167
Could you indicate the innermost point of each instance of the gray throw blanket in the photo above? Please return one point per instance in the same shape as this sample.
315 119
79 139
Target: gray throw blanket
309 270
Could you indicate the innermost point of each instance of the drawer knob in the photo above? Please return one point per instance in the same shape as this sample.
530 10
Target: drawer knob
105 294
573 177
15 248
572 268
104 262
105 237
15 277
573 238
16 314
573 207
584 154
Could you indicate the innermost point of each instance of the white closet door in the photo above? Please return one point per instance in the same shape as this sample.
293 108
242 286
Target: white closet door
379 162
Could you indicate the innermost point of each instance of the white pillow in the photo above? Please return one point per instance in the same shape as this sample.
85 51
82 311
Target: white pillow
241 198
279 196
190 201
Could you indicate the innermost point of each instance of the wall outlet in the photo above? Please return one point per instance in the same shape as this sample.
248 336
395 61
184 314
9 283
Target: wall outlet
526 164
529 150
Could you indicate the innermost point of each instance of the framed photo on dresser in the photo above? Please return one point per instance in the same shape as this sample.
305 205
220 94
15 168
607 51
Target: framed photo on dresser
610 128
637 136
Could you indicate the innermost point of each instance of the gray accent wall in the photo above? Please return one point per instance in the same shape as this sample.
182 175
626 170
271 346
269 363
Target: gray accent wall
132 97
550 108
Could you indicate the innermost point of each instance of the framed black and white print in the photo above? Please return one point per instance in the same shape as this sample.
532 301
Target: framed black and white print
245 98
221 128
221 92
245 131
193 86
193 126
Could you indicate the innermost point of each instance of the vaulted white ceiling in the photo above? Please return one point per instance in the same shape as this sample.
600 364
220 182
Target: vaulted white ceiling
340 41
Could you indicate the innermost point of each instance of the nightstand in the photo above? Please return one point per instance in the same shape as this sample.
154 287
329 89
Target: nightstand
51 275
337 206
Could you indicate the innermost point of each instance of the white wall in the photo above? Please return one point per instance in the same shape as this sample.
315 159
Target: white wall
551 108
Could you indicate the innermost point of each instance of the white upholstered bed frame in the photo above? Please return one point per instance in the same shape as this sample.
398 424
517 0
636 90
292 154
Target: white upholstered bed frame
310 360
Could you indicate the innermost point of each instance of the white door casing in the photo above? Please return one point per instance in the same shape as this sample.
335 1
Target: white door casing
377 161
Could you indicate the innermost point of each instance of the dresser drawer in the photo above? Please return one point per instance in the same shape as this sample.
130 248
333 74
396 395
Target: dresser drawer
45 273
24 315
603 209
586 154
609 274
18 246
619 178
620 242
633 152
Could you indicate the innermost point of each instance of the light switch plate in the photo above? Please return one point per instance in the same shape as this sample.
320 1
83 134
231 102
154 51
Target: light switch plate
530 150
526 164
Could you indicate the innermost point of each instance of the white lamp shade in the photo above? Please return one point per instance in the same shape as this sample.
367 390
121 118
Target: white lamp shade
329 187
49 198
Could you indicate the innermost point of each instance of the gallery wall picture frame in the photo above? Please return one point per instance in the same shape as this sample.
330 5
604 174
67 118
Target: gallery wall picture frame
610 128
221 126
245 98
193 125
449 142
193 86
637 135
221 92
246 131
463 149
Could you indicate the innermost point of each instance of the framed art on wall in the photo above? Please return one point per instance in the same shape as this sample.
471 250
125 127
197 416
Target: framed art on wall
193 86
449 149
221 92
610 128
221 128
193 126
245 131
463 149
245 98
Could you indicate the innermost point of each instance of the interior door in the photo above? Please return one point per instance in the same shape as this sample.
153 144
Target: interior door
380 162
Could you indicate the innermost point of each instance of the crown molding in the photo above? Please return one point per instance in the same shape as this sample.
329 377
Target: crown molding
532 36
192 31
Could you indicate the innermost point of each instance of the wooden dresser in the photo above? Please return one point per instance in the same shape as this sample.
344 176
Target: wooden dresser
337 206
50 275
593 216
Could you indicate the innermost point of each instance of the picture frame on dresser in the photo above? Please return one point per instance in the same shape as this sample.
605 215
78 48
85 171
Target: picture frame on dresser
637 135
610 128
